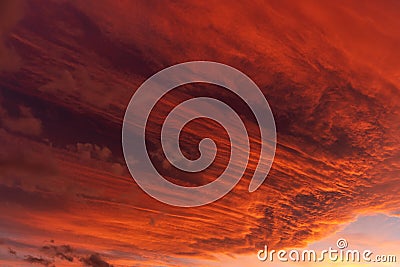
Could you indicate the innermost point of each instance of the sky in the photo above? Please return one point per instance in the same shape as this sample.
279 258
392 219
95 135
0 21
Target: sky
330 73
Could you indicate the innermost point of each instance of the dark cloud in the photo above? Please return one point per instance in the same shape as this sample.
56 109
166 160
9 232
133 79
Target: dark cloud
32 200
11 251
10 13
79 83
25 123
95 260
102 154
63 252
54 255
92 151
38 260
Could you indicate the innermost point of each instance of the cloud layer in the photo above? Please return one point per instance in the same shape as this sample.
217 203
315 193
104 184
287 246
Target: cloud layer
328 70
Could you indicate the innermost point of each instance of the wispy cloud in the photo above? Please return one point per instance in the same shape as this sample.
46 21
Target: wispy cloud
328 71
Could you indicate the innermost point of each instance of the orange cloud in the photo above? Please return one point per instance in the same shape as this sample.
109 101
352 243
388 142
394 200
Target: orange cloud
328 71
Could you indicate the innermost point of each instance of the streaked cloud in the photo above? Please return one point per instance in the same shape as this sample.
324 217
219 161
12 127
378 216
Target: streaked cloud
328 70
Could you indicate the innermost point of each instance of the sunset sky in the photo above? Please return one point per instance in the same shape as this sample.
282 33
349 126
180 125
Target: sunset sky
330 71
